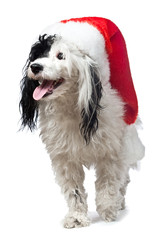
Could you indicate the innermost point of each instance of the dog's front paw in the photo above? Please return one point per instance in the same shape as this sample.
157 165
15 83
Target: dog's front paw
76 220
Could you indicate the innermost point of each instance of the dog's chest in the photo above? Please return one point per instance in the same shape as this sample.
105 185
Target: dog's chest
60 129
61 134
62 137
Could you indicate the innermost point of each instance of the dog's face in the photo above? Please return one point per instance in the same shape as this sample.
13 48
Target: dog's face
52 66
57 68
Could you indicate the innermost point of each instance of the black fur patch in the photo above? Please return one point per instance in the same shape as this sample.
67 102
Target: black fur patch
41 47
28 106
89 123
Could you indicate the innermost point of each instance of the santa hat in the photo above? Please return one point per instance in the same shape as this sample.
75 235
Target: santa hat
92 33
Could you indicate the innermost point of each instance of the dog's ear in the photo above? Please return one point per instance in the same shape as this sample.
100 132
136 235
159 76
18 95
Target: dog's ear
90 93
28 106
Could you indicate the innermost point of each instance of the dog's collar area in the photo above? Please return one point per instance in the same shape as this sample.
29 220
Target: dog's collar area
46 88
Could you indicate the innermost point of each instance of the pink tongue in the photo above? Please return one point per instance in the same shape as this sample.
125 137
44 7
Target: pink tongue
41 90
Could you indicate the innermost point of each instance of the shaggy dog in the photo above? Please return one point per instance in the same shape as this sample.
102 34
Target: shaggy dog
81 120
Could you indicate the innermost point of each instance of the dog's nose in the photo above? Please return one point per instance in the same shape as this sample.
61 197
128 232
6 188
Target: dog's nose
36 68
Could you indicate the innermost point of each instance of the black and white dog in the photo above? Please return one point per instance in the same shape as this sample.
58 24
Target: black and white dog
66 87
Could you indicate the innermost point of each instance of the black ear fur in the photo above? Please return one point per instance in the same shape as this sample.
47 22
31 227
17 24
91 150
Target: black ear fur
28 106
89 123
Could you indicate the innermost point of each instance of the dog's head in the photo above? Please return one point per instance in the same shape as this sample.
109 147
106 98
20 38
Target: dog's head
56 67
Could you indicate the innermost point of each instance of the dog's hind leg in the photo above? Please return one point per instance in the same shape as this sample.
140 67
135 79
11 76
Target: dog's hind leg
123 190
70 177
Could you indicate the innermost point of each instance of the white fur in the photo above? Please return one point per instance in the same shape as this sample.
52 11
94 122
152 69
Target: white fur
113 149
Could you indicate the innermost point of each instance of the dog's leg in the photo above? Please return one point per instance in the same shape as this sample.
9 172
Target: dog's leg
110 188
70 177
123 190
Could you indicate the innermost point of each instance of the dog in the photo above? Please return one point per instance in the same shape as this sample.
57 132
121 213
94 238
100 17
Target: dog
81 117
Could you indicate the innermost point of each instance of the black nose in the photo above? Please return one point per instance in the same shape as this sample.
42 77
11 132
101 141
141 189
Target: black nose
36 68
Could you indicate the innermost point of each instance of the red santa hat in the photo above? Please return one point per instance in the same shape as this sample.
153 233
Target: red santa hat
104 34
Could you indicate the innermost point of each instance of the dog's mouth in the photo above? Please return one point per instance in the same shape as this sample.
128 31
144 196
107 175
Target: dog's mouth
46 88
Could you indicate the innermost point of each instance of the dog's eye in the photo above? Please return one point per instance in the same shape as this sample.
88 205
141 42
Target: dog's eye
60 56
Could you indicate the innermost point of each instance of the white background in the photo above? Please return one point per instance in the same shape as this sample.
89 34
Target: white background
31 205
